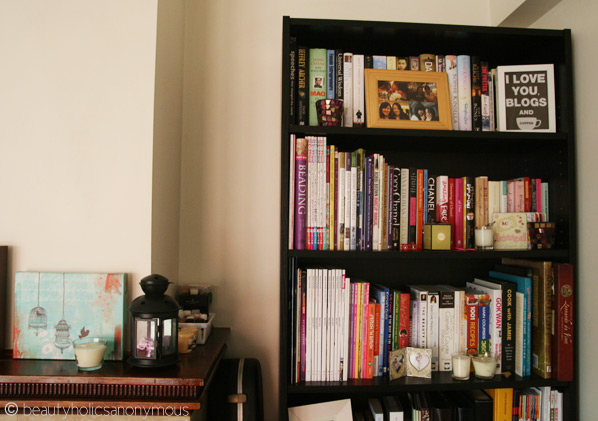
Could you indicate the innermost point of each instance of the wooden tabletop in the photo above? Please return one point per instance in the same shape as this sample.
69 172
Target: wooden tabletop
52 382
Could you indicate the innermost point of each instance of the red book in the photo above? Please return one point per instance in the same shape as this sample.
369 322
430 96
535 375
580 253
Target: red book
471 314
458 213
377 355
404 308
527 188
562 335
371 326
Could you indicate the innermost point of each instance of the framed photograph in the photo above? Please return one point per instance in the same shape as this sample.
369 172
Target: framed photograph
398 99
525 98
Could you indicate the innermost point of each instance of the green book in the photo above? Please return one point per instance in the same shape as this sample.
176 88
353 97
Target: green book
317 81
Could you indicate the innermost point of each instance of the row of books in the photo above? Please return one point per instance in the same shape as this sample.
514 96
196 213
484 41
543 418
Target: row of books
535 403
319 73
358 201
345 330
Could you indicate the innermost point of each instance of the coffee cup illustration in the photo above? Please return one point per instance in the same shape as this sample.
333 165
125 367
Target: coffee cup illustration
528 123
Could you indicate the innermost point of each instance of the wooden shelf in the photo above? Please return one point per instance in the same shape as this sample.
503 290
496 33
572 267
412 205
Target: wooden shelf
52 383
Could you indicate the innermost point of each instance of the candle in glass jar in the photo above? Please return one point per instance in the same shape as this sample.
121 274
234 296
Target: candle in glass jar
484 366
90 353
484 238
461 366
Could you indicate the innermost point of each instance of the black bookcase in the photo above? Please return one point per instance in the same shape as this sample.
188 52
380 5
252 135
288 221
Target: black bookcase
499 155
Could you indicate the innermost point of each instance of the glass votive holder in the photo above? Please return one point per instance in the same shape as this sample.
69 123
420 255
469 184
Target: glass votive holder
461 366
484 238
484 365
89 353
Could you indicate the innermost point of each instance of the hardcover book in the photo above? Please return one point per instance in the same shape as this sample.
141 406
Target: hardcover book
317 81
476 93
464 91
292 80
525 98
348 90
562 336
358 91
302 86
300 193
453 82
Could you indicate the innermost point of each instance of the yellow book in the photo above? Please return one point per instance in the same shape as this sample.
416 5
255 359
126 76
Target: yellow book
503 403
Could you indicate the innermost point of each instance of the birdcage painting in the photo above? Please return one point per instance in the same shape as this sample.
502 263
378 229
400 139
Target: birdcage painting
53 309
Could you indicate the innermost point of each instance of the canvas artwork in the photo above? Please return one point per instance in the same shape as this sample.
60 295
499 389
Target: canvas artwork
53 309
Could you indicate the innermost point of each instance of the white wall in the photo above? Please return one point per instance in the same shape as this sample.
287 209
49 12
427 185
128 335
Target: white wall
579 15
76 123
230 187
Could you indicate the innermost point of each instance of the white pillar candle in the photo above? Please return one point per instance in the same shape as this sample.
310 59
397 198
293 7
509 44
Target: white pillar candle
461 366
484 238
90 354
484 366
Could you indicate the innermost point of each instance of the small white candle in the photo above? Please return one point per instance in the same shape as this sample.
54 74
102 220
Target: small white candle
90 354
461 366
484 366
484 238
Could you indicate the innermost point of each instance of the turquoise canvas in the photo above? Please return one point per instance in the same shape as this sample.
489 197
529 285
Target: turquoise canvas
54 309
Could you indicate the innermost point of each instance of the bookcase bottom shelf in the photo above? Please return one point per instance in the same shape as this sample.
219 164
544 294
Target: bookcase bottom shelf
439 381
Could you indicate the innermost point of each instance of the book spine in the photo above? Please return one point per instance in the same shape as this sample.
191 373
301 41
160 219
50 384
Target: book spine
379 62
427 62
377 371
432 331
330 72
396 208
404 307
469 214
331 179
303 324
459 213
292 80
562 339
453 82
321 194
471 312
317 81
339 74
358 90
509 320
405 203
353 221
484 69
412 205
370 337
341 200
464 91
397 319
476 93
302 102
484 324
348 90
389 206
431 199
414 63
442 199
389 328
419 223
452 209
301 181
348 188
446 330
368 217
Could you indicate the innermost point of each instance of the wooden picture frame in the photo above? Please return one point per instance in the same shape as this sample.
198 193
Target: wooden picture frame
395 97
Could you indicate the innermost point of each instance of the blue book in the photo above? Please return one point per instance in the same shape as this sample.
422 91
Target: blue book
379 62
484 327
331 72
524 285
380 294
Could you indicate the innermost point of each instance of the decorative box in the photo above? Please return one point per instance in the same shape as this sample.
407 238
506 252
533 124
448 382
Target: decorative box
510 231
410 362
541 234
437 236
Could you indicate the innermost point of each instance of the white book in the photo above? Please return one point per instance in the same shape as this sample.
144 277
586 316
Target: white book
491 95
353 225
464 89
348 90
432 332
404 211
338 303
496 319
325 324
358 90
309 324
347 245
391 62
545 403
447 332
419 294
453 82
346 326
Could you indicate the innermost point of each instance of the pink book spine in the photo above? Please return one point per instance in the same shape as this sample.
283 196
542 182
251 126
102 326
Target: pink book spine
442 198
452 209
300 193
459 213
538 182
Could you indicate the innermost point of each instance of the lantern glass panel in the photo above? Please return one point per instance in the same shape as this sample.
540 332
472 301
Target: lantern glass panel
168 341
146 338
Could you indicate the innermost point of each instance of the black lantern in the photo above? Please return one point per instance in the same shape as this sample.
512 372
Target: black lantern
154 335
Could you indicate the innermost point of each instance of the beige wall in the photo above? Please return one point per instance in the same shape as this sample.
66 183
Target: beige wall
80 139
579 15
76 122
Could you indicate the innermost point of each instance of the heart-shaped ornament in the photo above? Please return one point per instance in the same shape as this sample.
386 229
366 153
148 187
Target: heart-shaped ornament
419 361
